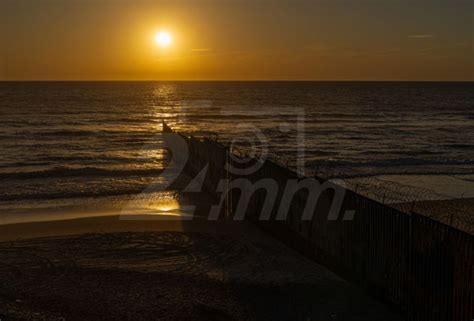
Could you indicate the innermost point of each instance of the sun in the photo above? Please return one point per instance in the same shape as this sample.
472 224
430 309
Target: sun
163 39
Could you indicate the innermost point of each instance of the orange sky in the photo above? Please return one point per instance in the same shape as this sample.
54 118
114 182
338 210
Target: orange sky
237 39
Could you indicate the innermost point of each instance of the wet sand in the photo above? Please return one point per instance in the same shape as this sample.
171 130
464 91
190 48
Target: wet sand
458 213
107 268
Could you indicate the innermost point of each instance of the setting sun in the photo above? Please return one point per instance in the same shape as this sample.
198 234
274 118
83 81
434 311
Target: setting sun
163 39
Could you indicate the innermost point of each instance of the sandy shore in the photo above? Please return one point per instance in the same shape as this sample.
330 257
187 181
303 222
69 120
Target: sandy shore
105 268
458 213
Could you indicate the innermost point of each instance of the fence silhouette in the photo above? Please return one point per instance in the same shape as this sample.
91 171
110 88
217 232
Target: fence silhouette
422 267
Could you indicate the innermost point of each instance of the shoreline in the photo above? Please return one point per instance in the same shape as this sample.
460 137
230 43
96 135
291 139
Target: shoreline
458 213
114 224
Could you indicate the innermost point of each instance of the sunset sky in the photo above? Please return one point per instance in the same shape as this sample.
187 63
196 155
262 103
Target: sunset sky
232 39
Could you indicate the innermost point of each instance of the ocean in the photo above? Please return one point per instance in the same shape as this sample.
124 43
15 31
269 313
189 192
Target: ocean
68 143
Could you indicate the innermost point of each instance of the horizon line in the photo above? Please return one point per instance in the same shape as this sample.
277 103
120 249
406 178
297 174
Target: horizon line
236 80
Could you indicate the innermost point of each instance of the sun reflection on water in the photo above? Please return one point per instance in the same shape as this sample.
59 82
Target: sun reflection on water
166 104
166 205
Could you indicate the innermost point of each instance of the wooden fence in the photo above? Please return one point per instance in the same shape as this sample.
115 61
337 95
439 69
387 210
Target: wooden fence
422 267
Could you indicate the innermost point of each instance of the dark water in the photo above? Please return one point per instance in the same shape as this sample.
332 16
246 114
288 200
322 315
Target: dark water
63 140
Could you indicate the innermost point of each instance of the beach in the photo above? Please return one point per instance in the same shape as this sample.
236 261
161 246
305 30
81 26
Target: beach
458 213
114 268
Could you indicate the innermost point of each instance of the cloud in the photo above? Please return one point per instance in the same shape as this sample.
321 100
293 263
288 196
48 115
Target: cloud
421 36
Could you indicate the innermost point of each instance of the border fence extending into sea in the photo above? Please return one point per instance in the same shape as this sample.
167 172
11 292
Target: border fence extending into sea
423 268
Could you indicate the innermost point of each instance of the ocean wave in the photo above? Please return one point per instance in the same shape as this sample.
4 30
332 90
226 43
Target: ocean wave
65 161
68 132
392 161
412 152
60 172
406 166
141 119
78 133
131 187
459 146
217 117
94 159
73 194
24 164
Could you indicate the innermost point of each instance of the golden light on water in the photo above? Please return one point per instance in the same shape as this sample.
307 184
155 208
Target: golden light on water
163 39
166 203
168 206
